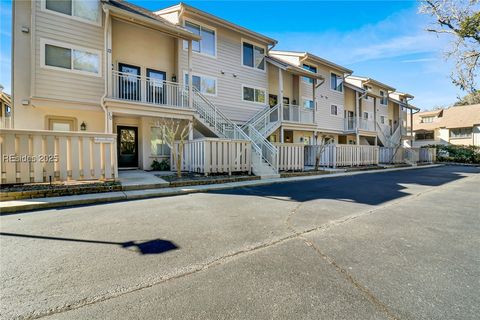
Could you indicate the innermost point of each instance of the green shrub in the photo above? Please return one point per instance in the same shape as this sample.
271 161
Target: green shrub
454 153
163 165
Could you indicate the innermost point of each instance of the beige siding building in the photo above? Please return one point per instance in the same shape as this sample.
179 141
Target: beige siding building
456 125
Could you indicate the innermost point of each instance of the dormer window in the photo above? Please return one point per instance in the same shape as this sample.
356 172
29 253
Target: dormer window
427 119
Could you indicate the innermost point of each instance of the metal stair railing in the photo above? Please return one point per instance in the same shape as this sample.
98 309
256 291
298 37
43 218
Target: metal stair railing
224 127
265 121
267 151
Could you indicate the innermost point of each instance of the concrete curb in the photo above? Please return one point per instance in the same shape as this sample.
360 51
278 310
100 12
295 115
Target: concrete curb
16 206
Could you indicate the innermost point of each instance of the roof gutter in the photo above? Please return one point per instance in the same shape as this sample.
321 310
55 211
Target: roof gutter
152 23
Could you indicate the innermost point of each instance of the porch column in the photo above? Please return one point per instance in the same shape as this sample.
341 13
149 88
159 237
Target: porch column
411 128
314 98
281 135
357 116
376 141
190 81
190 130
109 122
375 114
109 57
280 93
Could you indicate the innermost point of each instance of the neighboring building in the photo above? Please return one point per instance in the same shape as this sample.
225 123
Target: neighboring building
5 110
455 125
112 67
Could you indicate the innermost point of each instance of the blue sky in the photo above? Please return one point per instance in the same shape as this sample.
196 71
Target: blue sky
384 40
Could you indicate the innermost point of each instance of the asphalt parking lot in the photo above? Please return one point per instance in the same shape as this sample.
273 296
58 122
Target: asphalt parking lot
386 245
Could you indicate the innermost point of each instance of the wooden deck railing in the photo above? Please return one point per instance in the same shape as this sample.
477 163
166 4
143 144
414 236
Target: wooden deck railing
40 156
211 155
291 156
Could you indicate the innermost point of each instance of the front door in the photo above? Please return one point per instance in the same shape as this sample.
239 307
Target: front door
156 90
129 82
127 146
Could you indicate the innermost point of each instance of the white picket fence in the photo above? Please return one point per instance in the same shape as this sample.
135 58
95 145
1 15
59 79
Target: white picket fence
291 156
40 156
392 155
427 155
211 155
407 155
335 155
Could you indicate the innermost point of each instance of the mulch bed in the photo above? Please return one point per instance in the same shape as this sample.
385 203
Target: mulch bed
192 179
56 189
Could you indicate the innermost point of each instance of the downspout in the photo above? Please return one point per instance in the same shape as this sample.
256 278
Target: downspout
105 60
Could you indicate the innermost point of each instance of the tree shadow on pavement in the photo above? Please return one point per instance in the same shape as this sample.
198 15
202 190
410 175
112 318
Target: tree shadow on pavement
371 189
155 246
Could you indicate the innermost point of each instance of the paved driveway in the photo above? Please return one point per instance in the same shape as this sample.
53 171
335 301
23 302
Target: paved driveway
391 245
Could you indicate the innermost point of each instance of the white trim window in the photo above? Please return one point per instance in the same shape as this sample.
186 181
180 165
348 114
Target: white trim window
308 104
461 133
365 115
382 119
256 95
367 89
428 119
310 68
208 44
336 82
158 146
334 110
206 85
85 10
253 56
66 57
383 98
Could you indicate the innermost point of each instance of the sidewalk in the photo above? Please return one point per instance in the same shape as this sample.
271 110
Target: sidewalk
14 206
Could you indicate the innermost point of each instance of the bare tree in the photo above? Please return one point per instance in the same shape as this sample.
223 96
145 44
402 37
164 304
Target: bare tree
461 20
172 131
322 141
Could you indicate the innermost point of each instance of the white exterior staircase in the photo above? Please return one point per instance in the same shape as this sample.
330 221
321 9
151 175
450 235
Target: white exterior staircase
264 154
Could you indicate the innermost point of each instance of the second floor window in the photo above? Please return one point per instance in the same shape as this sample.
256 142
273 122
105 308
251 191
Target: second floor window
253 56
85 10
308 104
205 85
311 69
333 110
383 98
254 95
427 119
382 119
336 82
365 115
63 57
207 45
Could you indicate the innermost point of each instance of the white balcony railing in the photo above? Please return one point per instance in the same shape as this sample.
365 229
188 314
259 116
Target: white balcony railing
350 124
136 88
366 124
6 122
294 113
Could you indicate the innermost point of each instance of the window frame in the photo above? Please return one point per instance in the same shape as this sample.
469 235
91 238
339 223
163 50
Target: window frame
97 23
384 96
382 119
255 88
304 99
206 26
309 80
254 44
43 44
337 76
185 77
61 119
431 119
157 155
468 135
336 110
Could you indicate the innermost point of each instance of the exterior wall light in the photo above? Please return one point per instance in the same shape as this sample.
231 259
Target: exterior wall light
83 126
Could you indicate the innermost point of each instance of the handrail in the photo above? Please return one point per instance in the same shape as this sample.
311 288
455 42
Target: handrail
264 122
256 116
267 151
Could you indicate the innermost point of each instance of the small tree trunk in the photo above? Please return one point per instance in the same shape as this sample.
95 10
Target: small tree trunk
179 159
